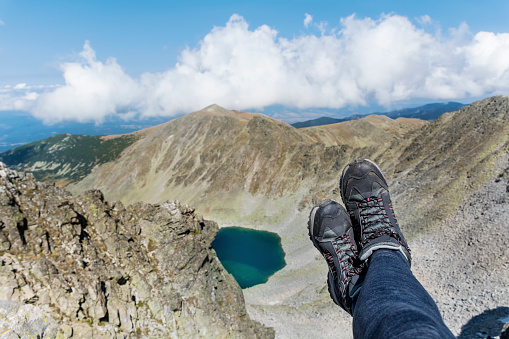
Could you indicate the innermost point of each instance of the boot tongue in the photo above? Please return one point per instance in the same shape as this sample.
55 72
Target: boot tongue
360 193
328 233
376 189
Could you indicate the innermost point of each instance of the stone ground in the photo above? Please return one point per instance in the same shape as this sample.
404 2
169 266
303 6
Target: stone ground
464 266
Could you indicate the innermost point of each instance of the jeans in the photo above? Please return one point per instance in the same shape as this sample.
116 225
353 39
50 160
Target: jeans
393 304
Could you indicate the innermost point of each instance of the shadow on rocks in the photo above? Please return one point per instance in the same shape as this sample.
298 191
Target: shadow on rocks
488 323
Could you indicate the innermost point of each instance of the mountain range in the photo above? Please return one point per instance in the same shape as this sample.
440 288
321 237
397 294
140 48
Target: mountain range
247 169
20 128
428 112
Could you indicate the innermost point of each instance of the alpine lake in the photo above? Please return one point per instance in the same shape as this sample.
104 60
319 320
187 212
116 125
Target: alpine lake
249 255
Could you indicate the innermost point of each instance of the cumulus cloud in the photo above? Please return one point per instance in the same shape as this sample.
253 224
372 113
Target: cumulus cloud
19 97
308 19
92 91
424 20
20 86
363 61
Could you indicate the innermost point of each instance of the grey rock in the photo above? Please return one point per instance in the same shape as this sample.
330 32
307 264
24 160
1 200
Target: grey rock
103 270
25 321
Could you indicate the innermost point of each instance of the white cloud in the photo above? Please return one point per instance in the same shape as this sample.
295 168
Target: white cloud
363 61
20 86
424 20
308 19
487 61
92 91
2 23
20 101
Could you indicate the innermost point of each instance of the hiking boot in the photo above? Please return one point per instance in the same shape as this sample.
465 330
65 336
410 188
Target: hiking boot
366 196
330 230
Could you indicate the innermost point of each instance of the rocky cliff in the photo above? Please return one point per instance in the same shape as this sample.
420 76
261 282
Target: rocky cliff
100 269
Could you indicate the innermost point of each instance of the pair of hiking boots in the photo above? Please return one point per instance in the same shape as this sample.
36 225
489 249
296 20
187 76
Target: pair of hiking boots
347 238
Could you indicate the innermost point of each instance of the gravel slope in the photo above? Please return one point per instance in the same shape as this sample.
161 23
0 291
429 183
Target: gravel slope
463 265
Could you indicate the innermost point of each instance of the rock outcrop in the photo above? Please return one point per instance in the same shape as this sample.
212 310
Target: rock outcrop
25 321
101 269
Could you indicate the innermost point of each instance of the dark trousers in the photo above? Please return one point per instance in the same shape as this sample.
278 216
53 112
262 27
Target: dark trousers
393 304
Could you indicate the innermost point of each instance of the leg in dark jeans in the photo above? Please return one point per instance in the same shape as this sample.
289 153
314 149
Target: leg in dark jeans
393 304
369 260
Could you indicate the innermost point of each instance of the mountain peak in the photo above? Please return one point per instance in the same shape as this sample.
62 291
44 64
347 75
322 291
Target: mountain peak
217 110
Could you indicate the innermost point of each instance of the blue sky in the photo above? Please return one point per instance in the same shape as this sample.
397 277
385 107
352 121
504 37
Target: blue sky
87 60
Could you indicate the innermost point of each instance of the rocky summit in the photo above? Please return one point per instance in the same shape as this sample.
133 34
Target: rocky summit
82 267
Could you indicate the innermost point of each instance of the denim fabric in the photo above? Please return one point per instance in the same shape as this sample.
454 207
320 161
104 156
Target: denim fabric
393 304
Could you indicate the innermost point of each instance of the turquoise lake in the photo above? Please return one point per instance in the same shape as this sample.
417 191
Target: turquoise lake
250 256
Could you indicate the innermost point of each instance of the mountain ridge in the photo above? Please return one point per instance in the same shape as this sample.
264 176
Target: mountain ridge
427 112
244 152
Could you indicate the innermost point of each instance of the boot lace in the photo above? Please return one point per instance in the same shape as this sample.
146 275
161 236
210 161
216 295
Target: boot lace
347 255
375 221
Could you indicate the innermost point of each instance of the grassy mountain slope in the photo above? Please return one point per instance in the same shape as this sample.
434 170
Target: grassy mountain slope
221 161
369 131
66 158
447 160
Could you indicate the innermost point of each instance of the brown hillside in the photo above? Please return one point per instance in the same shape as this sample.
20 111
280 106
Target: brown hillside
447 160
220 160
369 131
212 157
